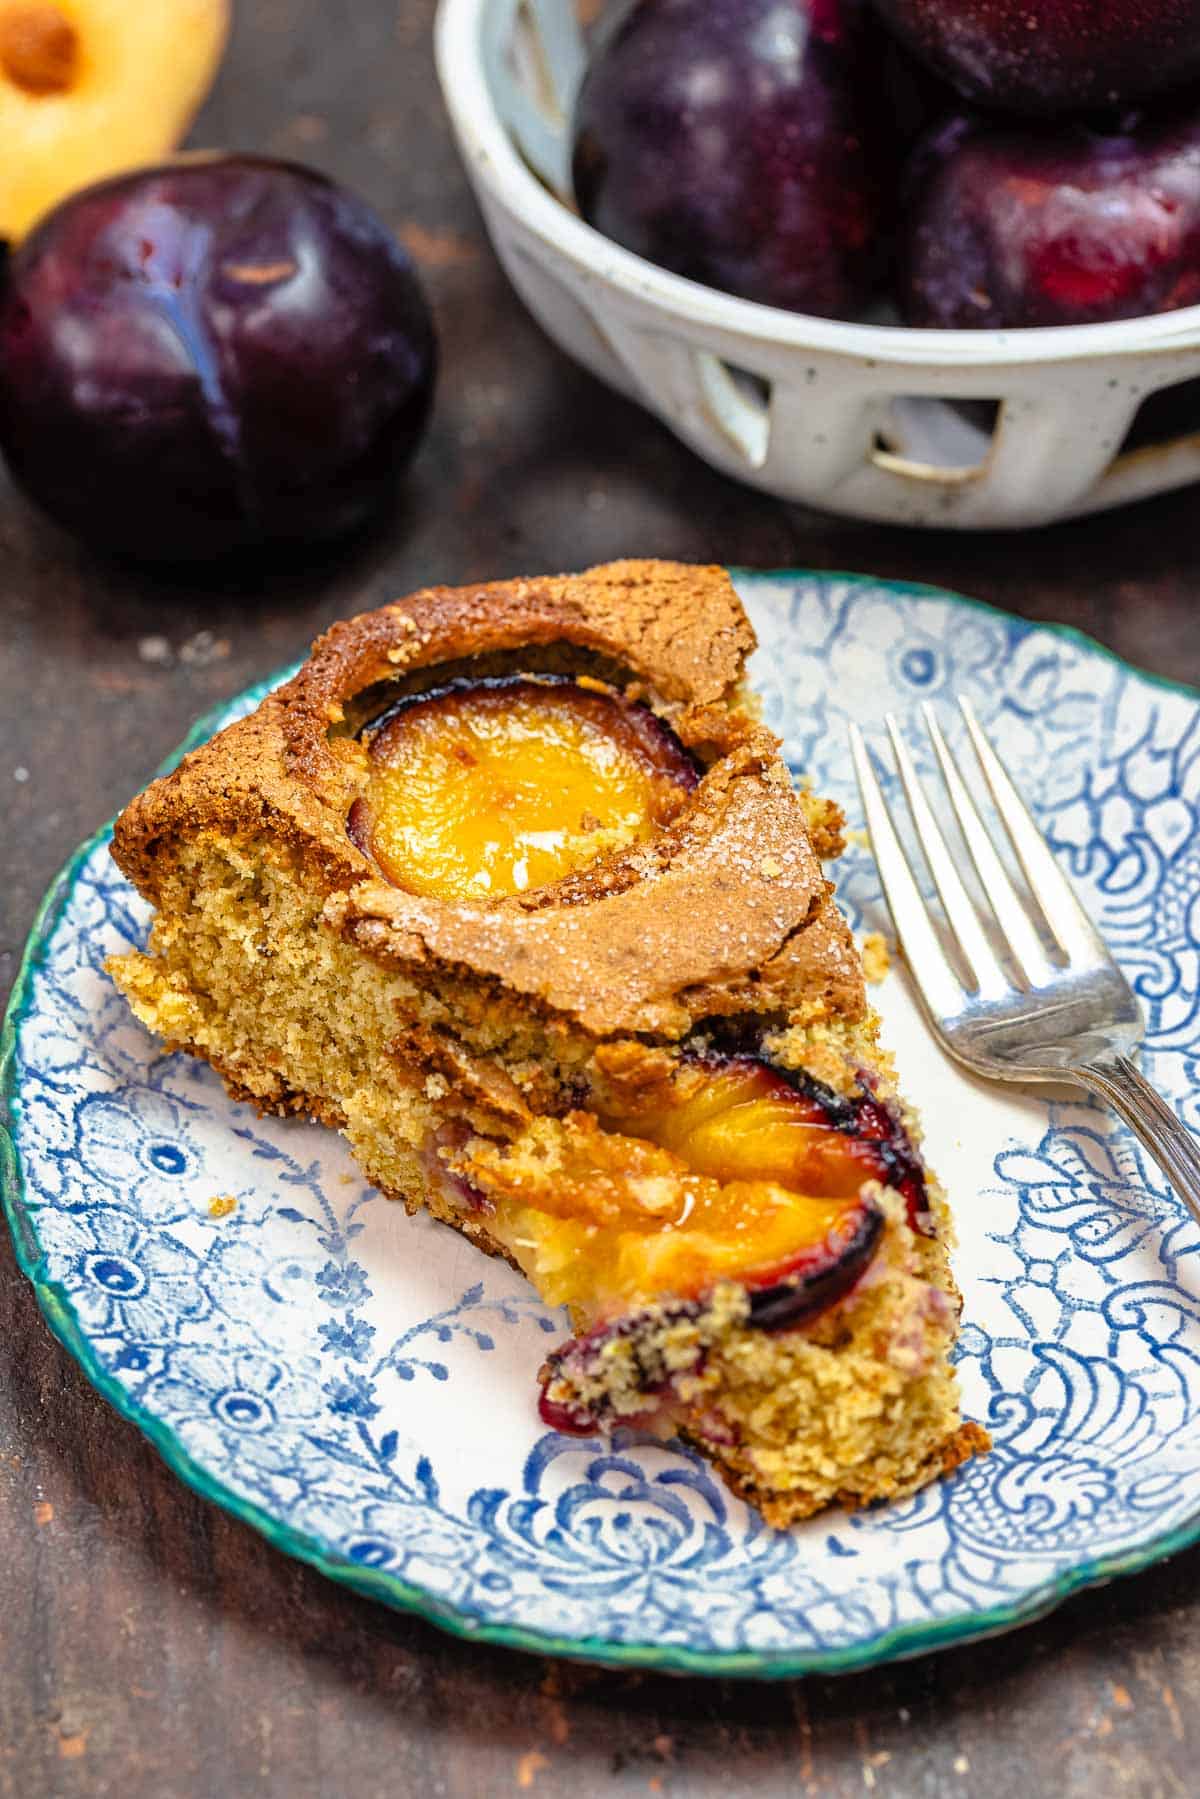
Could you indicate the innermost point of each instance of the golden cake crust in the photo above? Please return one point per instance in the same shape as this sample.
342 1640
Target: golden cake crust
727 904
473 1051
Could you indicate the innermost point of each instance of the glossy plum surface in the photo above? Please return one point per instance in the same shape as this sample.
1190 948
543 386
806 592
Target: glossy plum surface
914 98
743 143
210 356
738 1118
1051 56
1012 226
773 1194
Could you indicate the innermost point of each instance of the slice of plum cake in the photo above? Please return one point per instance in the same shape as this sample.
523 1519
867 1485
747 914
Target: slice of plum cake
510 885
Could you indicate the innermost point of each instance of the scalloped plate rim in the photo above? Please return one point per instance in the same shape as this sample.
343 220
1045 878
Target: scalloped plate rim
900 1643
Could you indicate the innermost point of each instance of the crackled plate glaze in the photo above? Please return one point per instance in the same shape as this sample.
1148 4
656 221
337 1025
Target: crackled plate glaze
360 1386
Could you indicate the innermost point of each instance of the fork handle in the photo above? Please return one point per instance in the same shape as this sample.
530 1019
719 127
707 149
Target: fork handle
1151 1119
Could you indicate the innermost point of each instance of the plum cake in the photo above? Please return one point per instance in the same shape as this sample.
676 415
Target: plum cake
510 885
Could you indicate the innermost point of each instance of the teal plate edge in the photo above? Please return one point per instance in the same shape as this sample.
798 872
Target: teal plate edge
899 1644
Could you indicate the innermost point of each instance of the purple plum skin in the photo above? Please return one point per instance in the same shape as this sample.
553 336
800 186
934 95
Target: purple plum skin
1052 225
743 143
1052 56
212 356
915 99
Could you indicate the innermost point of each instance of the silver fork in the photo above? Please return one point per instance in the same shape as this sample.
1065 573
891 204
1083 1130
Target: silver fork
1075 1021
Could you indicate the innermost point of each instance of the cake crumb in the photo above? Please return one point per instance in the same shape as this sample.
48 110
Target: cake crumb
221 1205
436 1086
204 647
768 868
876 957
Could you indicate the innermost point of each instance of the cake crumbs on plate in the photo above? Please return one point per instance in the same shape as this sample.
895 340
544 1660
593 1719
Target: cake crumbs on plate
221 1205
876 957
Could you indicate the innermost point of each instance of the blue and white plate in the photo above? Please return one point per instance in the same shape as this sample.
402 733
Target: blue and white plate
359 1386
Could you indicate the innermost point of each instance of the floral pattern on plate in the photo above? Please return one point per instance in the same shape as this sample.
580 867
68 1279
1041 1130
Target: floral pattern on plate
360 1385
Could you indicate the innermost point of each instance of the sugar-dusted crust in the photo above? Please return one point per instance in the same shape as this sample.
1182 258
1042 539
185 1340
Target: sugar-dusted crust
724 893
448 1039
679 632
658 937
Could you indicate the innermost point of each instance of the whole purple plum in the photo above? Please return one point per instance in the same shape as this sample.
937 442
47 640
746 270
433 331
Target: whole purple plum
1055 225
1049 56
209 356
744 143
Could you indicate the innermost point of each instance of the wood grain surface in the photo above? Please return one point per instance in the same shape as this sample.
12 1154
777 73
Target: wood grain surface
150 1646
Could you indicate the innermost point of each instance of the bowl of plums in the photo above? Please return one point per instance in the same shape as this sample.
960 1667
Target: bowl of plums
933 262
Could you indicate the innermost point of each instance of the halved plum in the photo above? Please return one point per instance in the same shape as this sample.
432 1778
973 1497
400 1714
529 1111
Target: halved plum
91 87
663 1358
819 1276
488 787
739 1117
727 1172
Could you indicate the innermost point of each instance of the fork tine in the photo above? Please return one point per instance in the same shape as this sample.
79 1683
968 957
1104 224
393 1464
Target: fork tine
1053 891
960 909
939 985
1011 916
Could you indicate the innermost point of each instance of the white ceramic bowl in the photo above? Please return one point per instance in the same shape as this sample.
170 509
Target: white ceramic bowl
860 419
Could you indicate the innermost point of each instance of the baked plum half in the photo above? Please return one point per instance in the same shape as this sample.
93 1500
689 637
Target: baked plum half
776 1168
726 1171
736 1116
484 788
764 1189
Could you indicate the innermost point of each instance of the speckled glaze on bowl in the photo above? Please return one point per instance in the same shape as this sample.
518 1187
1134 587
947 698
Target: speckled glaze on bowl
874 421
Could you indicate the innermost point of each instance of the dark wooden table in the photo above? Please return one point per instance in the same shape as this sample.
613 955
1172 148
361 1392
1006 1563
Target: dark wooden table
151 1647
